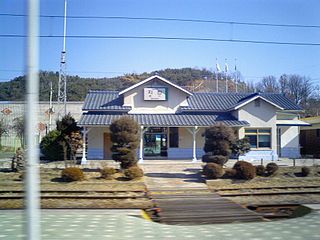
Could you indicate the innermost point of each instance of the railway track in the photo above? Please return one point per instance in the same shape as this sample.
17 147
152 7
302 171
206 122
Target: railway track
259 191
56 199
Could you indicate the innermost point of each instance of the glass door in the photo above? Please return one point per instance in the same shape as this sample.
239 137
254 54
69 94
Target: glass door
155 142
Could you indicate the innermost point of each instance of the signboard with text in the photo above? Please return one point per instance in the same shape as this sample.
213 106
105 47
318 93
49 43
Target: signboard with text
155 94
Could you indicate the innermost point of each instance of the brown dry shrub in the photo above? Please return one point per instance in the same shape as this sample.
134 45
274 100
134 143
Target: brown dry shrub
230 173
305 171
218 159
260 170
271 168
133 172
107 172
71 174
245 170
213 170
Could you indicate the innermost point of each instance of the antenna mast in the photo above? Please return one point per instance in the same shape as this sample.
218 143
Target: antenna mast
62 86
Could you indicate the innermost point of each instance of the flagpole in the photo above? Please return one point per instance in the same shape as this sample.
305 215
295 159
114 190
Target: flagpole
217 77
236 74
225 74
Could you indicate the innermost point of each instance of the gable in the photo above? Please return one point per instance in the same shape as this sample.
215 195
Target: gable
154 96
256 98
154 78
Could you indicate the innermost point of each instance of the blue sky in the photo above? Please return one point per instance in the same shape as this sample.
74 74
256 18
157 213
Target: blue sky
111 57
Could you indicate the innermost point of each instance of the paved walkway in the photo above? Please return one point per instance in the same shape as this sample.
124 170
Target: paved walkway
119 225
162 175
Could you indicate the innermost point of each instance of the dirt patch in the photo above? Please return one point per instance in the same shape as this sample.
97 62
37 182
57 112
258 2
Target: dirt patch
287 186
93 192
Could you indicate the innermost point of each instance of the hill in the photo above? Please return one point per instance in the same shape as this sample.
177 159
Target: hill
190 78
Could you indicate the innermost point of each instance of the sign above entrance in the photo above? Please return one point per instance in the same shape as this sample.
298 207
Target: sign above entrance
155 94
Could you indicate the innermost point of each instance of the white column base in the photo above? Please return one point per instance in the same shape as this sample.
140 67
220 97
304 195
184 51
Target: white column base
84 161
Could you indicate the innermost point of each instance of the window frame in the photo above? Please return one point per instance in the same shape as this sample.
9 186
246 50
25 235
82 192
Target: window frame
259 132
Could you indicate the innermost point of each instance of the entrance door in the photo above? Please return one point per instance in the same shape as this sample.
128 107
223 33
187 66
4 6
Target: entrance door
155 142
106 146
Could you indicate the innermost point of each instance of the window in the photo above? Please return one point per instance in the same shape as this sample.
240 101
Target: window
259 138
174 137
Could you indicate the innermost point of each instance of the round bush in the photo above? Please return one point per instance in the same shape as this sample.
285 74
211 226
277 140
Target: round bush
305 171
260 170
271 168
245 170
71 174
218 159
133 172
213 170
50 146
230 173
108 172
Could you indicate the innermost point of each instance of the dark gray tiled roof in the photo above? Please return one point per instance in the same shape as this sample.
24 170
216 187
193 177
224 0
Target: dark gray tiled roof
104 100
226 101
164 119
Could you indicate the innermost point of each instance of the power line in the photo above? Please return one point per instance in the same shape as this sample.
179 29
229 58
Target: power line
165 38
170 19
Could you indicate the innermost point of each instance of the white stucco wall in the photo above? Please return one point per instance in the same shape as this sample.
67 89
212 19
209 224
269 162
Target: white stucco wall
260 117
290 142
95 143
185 149
135 99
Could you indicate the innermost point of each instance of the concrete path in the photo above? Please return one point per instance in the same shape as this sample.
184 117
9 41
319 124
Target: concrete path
162 175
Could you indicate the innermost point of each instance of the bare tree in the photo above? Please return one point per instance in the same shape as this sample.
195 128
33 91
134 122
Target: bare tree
18 127
268 84
3 130
283 83
299 88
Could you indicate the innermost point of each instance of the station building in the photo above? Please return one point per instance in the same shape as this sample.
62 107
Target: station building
172 120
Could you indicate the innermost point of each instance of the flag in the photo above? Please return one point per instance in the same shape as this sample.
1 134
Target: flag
218 67
226 67
235 68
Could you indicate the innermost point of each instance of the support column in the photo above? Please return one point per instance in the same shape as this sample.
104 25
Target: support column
84 156
141 145
194 152
194 146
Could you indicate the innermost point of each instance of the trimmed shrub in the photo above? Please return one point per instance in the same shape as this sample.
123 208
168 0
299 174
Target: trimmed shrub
125 137
240 147
51 147
245 170
213 170
271 168
260 170
218 159
230 173
305 171
133 172
71 174
107 172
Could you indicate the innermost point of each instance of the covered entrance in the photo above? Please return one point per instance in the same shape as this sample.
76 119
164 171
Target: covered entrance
155 142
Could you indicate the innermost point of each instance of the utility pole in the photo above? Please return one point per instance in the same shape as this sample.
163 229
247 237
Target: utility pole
51 111
32 181
62 86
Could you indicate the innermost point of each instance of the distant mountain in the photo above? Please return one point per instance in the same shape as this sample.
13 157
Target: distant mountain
77 88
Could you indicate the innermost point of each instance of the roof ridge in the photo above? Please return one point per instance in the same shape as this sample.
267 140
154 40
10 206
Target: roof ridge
103 91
